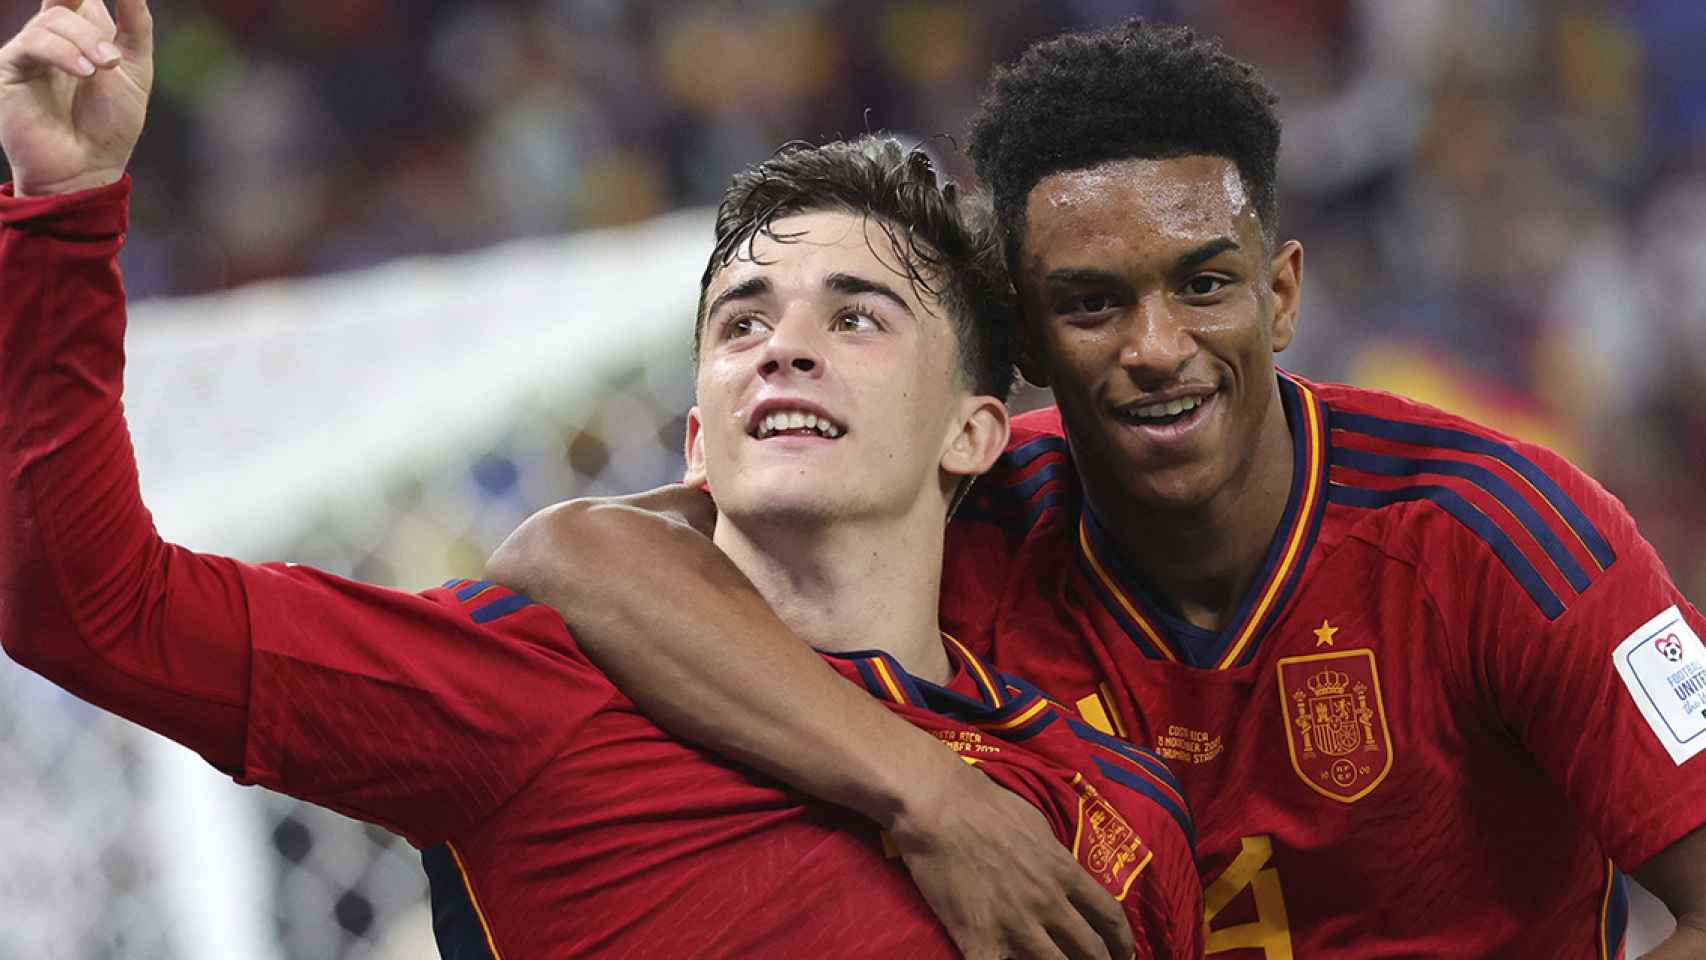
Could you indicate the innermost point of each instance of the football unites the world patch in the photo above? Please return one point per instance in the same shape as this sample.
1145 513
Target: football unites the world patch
1664 666
1335 722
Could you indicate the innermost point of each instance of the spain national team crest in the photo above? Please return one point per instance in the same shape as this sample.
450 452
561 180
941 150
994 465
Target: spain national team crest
1335 722
1105 844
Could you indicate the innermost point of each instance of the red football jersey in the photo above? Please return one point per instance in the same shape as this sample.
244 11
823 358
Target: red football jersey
557 821
1461 694
630 842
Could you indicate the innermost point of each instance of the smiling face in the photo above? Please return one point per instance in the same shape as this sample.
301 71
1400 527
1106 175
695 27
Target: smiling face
828 388
1154 309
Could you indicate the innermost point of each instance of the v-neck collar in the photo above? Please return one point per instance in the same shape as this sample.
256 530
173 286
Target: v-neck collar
1235 644
975 693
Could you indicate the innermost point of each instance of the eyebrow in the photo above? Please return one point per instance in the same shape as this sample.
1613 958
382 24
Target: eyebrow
1206 252
845 283
1090 276
1080 276
854 285
744 290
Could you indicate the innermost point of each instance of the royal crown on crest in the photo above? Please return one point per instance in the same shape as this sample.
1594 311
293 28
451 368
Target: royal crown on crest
1328 682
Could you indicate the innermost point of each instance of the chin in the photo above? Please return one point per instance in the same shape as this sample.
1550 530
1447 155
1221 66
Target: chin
1174 489
1167 499
755 503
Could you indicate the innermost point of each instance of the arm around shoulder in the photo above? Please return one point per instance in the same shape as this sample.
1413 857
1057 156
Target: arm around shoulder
570 554
683 633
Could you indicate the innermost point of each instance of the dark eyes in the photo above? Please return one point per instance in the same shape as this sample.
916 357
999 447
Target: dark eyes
1093 303
1087 307
1204 284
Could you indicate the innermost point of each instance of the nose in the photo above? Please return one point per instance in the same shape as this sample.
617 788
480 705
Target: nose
1158 343
792 349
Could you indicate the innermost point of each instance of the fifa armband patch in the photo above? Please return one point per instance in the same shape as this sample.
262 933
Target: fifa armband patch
1664 666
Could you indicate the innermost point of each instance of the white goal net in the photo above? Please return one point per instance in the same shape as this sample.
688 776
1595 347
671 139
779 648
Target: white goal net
392 425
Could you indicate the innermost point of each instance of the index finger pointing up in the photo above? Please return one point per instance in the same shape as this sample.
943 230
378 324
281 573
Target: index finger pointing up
94 11
135 26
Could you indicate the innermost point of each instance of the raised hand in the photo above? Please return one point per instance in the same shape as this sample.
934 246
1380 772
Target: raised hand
74 87
1003 886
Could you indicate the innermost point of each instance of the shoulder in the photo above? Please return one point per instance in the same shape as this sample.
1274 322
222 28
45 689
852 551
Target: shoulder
1449 484
502 630
1140 775
1137 777
1031 478
505 617
1043 421
484 602
1389 435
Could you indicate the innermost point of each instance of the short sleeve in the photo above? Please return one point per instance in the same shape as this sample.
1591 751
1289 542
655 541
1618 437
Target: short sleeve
421 712
1612 707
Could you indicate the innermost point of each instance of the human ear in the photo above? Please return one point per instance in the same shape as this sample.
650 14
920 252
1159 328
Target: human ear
693 450
1285 285
980 435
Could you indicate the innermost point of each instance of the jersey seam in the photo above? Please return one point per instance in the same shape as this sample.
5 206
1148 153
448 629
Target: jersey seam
1459 671
1459 677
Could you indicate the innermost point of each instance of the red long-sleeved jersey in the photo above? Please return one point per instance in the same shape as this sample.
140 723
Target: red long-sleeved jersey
1459 696
555 819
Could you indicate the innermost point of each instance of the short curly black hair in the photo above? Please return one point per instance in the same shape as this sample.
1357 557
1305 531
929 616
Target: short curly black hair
1137 89
946 238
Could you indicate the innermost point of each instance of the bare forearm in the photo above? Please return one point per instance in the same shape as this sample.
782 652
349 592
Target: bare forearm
683 633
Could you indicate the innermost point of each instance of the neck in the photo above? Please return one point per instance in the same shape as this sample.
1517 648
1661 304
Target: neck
850 585
1202 559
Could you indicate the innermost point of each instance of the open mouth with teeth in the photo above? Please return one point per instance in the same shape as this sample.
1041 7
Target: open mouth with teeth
1164 414
796 423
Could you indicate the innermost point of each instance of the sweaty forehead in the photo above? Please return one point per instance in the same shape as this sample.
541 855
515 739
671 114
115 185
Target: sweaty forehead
1150 203
815 239
799 251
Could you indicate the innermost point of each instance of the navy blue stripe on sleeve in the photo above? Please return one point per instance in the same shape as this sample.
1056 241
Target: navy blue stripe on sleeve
1487 480
1471 517
1148 788
1023 454
468 592
503 606
1017 518
1446 438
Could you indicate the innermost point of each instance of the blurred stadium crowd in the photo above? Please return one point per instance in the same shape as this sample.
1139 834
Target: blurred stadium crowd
1503 201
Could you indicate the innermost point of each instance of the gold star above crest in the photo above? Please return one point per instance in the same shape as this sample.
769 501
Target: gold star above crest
1324 634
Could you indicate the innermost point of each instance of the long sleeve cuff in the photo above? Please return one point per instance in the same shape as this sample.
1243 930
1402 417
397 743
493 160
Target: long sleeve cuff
88 214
